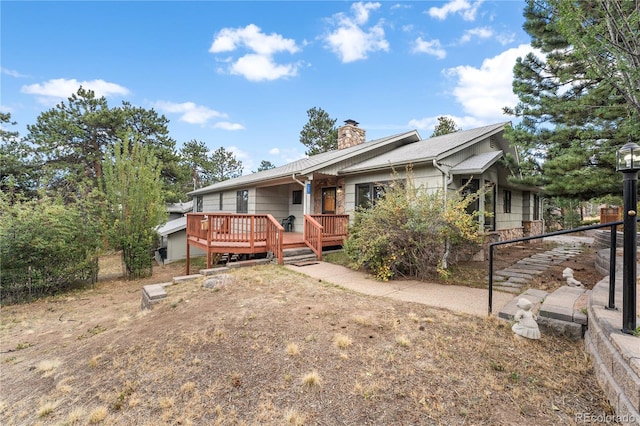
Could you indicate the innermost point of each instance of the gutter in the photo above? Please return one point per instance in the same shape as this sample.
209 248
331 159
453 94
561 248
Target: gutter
447 179
293 176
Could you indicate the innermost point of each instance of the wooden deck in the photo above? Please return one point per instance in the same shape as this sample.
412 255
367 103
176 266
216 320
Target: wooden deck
221 233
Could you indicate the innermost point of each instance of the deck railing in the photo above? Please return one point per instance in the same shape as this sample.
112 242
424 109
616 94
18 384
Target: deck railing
215 230
325 229
334 225
259 233
275 238
313 231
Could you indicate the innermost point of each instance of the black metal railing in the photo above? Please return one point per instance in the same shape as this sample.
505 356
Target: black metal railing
612 255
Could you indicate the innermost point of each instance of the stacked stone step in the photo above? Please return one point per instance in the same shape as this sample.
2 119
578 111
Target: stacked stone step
516 276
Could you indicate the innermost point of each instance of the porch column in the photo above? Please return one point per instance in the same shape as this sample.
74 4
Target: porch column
307 196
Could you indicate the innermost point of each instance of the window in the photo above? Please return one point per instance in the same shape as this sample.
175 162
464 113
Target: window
242 201
220 202
489 206
296 197
536 207
199 204
367 194
506 198
471 187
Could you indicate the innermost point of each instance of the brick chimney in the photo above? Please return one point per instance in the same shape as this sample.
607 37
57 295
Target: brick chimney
350 135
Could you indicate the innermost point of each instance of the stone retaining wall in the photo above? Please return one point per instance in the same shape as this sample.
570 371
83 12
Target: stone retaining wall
615 355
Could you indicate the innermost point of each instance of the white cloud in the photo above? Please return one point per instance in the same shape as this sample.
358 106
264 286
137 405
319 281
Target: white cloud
481 92
350 41
12 73
274 151
479 32
258 67
259 64
225 125
487 33
196 114
464 8
5 109
361 11
432 47
484 91
190 112
62 88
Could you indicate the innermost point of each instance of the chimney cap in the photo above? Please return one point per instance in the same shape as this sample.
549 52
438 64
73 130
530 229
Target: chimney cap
351 122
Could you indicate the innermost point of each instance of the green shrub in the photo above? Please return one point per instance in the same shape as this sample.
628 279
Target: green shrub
410 232
46 247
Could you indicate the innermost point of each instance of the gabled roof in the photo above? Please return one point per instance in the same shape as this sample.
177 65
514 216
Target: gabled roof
172 226
313 163
477 164
428 150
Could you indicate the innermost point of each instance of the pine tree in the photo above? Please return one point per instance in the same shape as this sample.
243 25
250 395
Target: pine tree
445 126
319 134
572 122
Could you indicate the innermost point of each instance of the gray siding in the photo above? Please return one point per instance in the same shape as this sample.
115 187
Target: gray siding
513 219
177 247
429 178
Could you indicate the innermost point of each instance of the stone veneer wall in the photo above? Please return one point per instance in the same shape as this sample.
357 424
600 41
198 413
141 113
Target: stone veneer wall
317 194
510 234
350 135
532 227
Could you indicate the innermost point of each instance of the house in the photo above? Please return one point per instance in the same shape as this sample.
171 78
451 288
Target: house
333 184
172 236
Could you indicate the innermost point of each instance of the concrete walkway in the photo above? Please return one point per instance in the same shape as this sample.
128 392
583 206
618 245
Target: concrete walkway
474 301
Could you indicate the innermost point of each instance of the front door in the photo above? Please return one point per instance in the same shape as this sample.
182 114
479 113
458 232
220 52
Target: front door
329 200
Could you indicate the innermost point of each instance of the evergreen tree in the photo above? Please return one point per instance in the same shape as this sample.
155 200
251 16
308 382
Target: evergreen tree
319 134
195 158
19 167
445 126
152 132
74 137
572 123
606 36
266 165
224 165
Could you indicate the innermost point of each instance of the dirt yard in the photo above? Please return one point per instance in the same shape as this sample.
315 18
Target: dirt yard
275 347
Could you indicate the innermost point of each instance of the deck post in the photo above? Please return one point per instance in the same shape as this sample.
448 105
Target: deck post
188 259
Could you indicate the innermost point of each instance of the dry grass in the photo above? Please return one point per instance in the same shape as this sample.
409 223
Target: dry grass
46 408
293 349
98 415
274 348
311 379
341 341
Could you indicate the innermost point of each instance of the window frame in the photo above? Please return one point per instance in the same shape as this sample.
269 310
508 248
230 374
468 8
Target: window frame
296 196
506 201
536 207
376 191
242 201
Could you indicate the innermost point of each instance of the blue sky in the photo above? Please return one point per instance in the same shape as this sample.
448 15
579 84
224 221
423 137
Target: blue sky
242 74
